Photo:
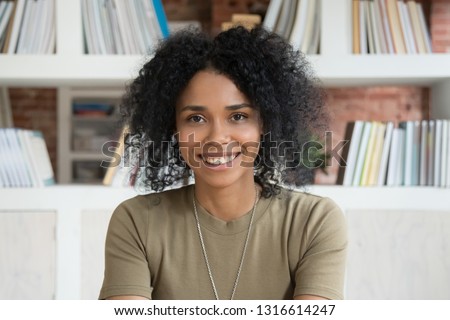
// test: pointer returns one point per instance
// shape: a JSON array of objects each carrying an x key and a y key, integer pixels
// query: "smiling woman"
[{"x": 232, "y": 112}]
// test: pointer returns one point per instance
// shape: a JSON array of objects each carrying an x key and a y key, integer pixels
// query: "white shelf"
[
  {"x": 76, "y": 207},
  {"x": 349, "y": 198},
  {"x": 336, "y": 66},
  {"x": 333, "y": 70},
  {"x": 86, "y": 156},
  {"x": 357, "y": 70}
]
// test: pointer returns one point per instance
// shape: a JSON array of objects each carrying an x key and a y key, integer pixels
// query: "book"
[
  {"x": 153, "y": 20},
  {"x": 285, "y": 17},
  {"x": 430, "y": 151},
  {"x": 137, "y": 33},
  {"x": 423, "y": 27},
  {"x": 24, "y": 160},
  {"x": 375, "y": 25},
  {"x": 374, "y": 168},
  {"x": 362, "y": 154},
  {"x": 26, "y": 27},
  {"x": 394, "y": 155},
  {"x": 400, "y": 165},
  {"x": 19, "y": 157},
  {"x": 362, "y": 27},
  {"x": 106, "y": 27},
  {"x": 353, "y": 135},
  {"x": 379, "y": 28},
  {"x": 368, "y": 159},
  {"x": 409, "y": 29},
  {"x": 416, "y": 27},
  {"x": 40, "y": 158},
  {"x": 387, "y": 26},
  {"x": 298, "y": 29},
  {"x": 356, "y": 26},
  {"x": 145, "y": 26},
  {"x": 415, "y": 168},
  {"x": 272, "y": 13},
  {"x": 27, "y": 156},
  {"x": 404, "y": 27},
  {"x": 437, "y": 153},
  {"x": 114, "y": 25},
  {"x": 423, "y": 153},
  {"x": 409, "y": 135},
  {"x": 395, "y": 26},
  {"x": 6, "y": 171},
  {"x": 6, "y": 9},
  {"x": 9, "y": 158},
  {"x": 369, "y": 28},
  {"x": 7, "y": 34},
  {"x": 385, "y": 155},
  {"x": 444, "y": 153},
  {"x": 40, "y": 18},
  {"x": 309, "y": 25},
  {"x": 315, "y": 37},
  {"x": 87, "y": 32},
  {"x": 162, "y": 19},
  {"x": 16, "y": 26},
  {"x": 48, "y": 31},
  {"x": 6, "y": 119},
  {"x": 290, "y": 17}
]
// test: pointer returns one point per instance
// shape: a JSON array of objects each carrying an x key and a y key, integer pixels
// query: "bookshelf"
[
  {"x": 80, "y": 137},
  {"x": 78, "y": 222}
]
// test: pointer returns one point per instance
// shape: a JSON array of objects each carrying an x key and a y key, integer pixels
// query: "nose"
[{"x": 218, "y": 133}]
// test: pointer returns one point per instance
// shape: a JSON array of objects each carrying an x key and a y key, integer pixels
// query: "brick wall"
[
  {"x": 440, "y": 26},
  {"x": 199, "y": 10},
  {"x": 372, "y": 103},
  {"x": 36, "y": 108}
]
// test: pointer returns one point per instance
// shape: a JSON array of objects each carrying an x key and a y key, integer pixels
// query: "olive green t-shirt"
[{"x": 297, "y": 246}]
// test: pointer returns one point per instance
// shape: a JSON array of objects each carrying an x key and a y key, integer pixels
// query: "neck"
[{"x": 228, "y": 203}]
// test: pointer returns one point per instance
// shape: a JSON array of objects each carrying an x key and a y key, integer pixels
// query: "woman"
[{"x": 234, "y": 113}]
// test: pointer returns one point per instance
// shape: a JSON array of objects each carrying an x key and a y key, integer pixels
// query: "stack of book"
[
  {"x": 27, "y": 27},
  {"x": 389, "y": 26},
  {"x": 297, "y": 21},
  {"x": 123, "y": 26},
  {"x": 24, "y": 160},
  {"x": 92, "y": 109},
  {"x": 412, "y": 153}
]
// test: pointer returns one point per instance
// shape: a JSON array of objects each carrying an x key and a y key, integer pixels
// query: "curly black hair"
[{"x": 277, "y": 80}]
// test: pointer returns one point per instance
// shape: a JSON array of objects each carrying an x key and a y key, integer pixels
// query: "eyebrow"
[{"x": 202, "y": 108}]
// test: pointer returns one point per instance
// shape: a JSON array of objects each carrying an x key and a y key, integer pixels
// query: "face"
[{"x": 218, "y": 130}]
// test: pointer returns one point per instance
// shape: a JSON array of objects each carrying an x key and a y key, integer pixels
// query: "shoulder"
[
  {"x": 141, "y": 208},
  {"x": 304, "y": 201},
  {"x": 312, "y": 211}
]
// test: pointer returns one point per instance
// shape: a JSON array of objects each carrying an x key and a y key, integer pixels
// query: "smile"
[{"x": 219, "y": 160}]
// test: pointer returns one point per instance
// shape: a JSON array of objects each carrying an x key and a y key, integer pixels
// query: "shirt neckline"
[{"x": 219, "y": 226}]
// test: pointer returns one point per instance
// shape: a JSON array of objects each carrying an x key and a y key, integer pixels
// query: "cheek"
[{"x": 250, "y": 144}]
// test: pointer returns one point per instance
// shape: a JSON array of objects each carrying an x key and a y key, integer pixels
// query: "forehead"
[{"x": 209, "y": 88}]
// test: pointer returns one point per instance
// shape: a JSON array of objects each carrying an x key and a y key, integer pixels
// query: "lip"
[{"x": 223, "y": 166}]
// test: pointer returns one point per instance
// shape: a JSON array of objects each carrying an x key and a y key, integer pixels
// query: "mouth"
[{"x": 218, "y": 161}]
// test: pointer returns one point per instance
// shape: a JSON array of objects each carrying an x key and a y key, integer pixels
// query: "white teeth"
[{"x": 218, "y": 161}]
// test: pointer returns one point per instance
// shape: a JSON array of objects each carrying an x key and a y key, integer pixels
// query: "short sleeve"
[
  {"x": 321, "y": 269},
  {"x": 126, "y": 268}
]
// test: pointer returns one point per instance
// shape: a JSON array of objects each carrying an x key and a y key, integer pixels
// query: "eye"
[
  {"x": 238, "y": 117},
  {"x": 196, "y": 119}
]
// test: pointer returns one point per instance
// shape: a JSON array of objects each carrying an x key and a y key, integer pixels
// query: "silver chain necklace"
[{"x": 205, "y": 255}]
